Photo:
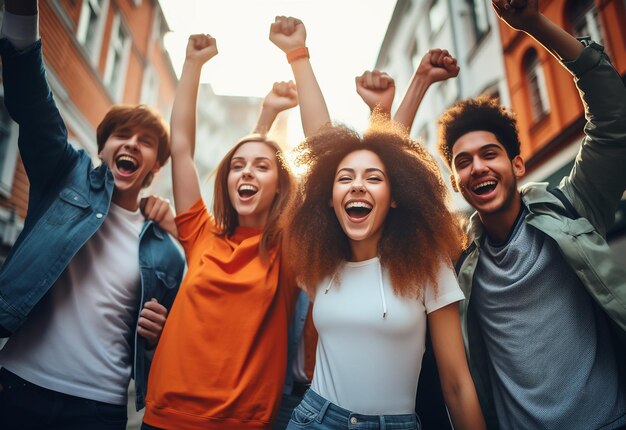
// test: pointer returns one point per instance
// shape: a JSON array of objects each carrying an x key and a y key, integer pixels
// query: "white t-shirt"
[
  {"x": 366, "y": 363},
  {"x": 78, "y": 339}
]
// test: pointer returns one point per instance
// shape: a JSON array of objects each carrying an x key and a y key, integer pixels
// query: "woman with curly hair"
[{"x": 371, "y": 238}]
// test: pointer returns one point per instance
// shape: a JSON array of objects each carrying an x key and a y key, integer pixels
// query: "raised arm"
[
  {"x": 282, "y": 96},
  {"x": 598, "y": 179},
  {"x": 43, "y": 144},
  {"x": 523, "y": 15},
  {"x": 200, "y": 49},
  {"x": 289, "y": 35},
  {"x": 377, "y": 89},
  {"x": 436, "y": 65},
  {"x": 456, "y": 382}
]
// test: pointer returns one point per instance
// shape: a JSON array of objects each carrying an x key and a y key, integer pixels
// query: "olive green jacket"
[{"x": 594, "y": 187}]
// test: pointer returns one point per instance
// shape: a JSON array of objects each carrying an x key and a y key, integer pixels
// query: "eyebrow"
[
  {"x": 482, "y": 148},
  {"x": 255, "y": 159},
  {"x": 368, "y": 170}
]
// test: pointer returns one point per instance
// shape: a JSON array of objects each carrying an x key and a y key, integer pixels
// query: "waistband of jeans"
[{"x": 337, "y": 413}]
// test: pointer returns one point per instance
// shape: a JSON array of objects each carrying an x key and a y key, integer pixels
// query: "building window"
[
  {"x": 150, "y": 89},
  {"x": 436, "y": 15},
  {"x": 584, "y": 19},
  {"x": 91, "y": 26},
  {"x": 8, "y": 148},
  {"x": 478, "y": 13},
  {"x": 537, "y": 89},
  {"x": 117, "y": 58}
]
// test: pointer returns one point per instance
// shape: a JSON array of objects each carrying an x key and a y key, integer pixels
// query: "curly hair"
[
  {"x": 483, "y": 113},
  {"x": 226, "y": 217},
  {"x": 417, "y": 235}
]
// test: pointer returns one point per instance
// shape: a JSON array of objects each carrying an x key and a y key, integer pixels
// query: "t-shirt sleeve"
[
  {"x": 448, "y": 290},
  {"x": 193, "y": 224}
]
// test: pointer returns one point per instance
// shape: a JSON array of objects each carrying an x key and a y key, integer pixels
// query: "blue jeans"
[
  {"x": 28, "y": 406},
  {"x": 317, "y": 413}
]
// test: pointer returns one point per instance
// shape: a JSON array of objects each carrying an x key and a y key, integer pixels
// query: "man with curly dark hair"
[{"x": 539, "y": 266}]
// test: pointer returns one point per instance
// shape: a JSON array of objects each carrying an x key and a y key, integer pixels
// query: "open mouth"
[
  {"x": 358, "y": 210},
  {"x": 484, "y": 187},
  {"x": 126, "y": 164},
  {"x": 247, "y": 190}
]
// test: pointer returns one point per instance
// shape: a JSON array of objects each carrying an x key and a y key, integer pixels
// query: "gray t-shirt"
[{"x": 551, "y": 361}]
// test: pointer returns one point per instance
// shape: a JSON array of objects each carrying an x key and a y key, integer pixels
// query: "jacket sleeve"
[
  {"x": 42, "y": 141},
  {"x": 598, "y": 178}
]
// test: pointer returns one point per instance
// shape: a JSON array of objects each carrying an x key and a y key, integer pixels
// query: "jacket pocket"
[{"x": 68, "y": 207}]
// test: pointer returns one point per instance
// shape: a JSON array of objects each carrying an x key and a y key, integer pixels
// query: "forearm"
[
  {"x": 553, "y": 38},
  {"x": 183, "y": 121},
  {"x": 267, "y": 116},
  {"x": 411, "y": 101},
  {"x": 464, "y": 407},
  {"x": 185, "y": 184},
  {"x": 313, "y": 108}
]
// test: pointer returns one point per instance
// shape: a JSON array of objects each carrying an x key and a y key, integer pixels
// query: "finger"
[
  {"x": 387, "y": 81},
  {"x": 368, "y": 80},
  {"x": 150, "y": 200},
  {"x": 150, "y": 326},
  {"x": 162, "y": 211},
  {"x": 155, "y": 306},
  {"x": 376, "y": 79},
  {"x": 148, "y": 335}
]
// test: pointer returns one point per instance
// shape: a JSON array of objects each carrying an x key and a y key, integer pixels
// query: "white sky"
[{"x": 343, "y": 36}]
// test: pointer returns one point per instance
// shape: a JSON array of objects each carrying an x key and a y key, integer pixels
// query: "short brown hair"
[
  {"x": 483, "y": 113},
  {"x": 134, "y": 117}
]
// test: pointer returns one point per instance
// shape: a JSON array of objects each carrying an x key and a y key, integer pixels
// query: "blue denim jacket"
[{"x": 68, "y": 201}]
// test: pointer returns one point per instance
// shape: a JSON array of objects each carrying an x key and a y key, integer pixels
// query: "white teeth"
[
  {"x": 127, "y": 158},
  {"x": 247, "y": 187},
  {"x": 484, "y": 184},
  {"x": 365, "y": 205}
]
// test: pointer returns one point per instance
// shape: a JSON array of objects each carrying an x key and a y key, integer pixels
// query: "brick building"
[
  {"x": 97, "y": 53},
  {"x": 544, "y": 97}
]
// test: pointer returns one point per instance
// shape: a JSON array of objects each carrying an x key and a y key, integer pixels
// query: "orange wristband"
[{"x": 297, "y": 53}]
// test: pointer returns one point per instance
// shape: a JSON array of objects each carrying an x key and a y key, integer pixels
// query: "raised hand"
[
  {"x": 201, "y": 48},
  {"x": 437, "y": 65},
  {"x": 151, "y": 321},
  {"x": 518, "y": 14},
  {"x": 288, "y": 33},
  {"x": 159, "y": 210},
  {"x": 283, "y": 96},
  {"x": 377, "y": 89}
]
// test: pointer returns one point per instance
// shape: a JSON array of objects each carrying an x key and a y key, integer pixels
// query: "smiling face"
[
  {"x": 253, "y": 183},
  {"x": 131, "y": 154},
  {"x": 485, "y": 176},
  {"x": 361, "y": 199}
]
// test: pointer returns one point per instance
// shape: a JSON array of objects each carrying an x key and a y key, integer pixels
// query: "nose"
[
  {"x": 132, "y": 141},
  {"x": 478, "y": 167},
  {"x": 246, "y": 172},
  {"x": 357, "y": 187}
]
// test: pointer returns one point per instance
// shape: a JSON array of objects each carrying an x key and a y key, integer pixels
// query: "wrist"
[{"x": 297, "y": 54}]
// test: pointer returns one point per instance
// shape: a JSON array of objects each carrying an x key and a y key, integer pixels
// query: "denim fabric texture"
[
  {"x": 317, "y": 413},
  {"x": 68, "y": 201}
]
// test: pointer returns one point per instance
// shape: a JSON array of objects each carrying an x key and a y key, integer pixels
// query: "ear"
[
  {"x": 519, "y": 166},
  {"x": 453, "y": 182},
  {"x": 394, "y": 204},
  {"x": 156, "y": 167}
]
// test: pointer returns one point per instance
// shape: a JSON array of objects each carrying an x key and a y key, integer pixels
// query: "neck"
[
  {"x": 254, "y": 221},
  {"x": 128, "y": 201},
  {"x": 364, "y": 249},
  {"x": 498, "y": 225}
]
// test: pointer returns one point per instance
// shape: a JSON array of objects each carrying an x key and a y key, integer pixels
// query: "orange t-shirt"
[{"x": 221, "y": 359}]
